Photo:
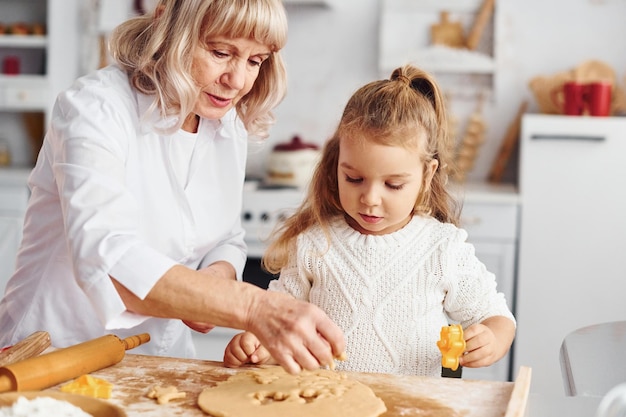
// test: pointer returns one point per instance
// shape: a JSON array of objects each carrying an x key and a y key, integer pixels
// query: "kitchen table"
[{"x": 403, "y": 395}]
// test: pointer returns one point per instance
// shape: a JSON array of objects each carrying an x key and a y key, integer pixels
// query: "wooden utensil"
[
  {"x": 511, "y": 139},
  {"x": 467, "y": 150},
  {"x": 447, "y": 33},
  {"x": 485, "y": 13},
  {"x": 64, "y": 364},
  {"x": 30, "y": 347}
]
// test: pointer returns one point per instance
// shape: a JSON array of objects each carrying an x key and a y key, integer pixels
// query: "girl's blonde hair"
[
  {"x": 156, "y": 51},
  {"x": 395, "y": 112}
]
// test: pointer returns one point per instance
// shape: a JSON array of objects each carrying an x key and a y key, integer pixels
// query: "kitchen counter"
[
  {"x": 484, "y": 192},
  {"x": 403, "y": 395}
]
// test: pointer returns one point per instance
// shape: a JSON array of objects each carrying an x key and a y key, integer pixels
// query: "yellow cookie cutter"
[
  {"x": 89, "y": 386},
  {"x": 451, "y": 345}
]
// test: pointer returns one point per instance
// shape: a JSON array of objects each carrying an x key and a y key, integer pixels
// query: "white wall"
[
  {"x": 538, "y": 37},
  {"x": 332, "y": 51}
]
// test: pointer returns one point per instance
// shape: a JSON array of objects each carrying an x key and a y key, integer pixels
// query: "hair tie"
[{"x": 404, "y": 79}]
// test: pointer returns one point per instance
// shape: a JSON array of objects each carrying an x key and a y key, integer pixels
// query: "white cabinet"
[
  {"x": 45, "y": 59},
  {"x": 490, "y": 216},
  {"x": 13, "y": 200},
  {"x": 571, "y": 260},
  {"x": 23, "y": 72}
]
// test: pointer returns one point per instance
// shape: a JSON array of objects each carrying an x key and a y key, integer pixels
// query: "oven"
[{"x": 263, "y": 208}]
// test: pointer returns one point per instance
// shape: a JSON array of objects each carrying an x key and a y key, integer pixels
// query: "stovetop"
[{"x": 263, "y": 208}]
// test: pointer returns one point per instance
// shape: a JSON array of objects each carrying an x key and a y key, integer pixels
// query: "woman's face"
[
  {"x": 379, "y": 184},
  {"x": 225, "y": 71}
]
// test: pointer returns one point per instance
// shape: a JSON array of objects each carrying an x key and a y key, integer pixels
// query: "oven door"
[
  {"x": 255, "y": 274},
  {"x": 253, "y": 271}
]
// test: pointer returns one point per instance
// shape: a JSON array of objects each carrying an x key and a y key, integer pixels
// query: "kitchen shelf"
[
  {"x": 442, "y": 59},
  {"x": 23, "y": 41},
  {"x": 23, "y": 80},
  {"x": 323, "y": 3},
  {"x": 25, "y": 96},
  {"x": 433, "y": 5}
]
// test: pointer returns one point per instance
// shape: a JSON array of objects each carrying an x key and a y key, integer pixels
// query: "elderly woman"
[{"x": 133, "y": 224}]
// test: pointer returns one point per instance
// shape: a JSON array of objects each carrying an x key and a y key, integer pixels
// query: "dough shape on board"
[{"x": 271, "y": 391}]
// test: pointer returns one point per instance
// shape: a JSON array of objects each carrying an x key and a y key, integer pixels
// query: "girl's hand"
[
  {"x": 487, "y": 342},
  {"x": 245, "y": 348}
]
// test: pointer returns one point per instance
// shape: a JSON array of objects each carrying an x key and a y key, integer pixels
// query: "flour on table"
[
  {"x": 42, "y": 407},
  {"x": 271, "y": 391}
]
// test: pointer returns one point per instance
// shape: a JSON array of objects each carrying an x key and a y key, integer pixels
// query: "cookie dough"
[
  {"x": 270, "y": 392},
  {"x": 163, "y": 395}
]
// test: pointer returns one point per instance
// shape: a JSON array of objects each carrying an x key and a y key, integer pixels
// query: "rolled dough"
[{"x": 271, "y": 392}]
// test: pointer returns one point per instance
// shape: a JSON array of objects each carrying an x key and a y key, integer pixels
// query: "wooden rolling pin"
[
  {"x": 61, "y": 365},
  {"x": 32, "y": 346}
]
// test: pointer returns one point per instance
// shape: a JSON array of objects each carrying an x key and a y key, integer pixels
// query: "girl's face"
[
  {"x": 379, "y": 184},
  {"x": 225, "y": 71}
]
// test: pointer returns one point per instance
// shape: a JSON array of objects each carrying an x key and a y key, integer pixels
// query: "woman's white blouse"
[{"x": 111, "y": 197}]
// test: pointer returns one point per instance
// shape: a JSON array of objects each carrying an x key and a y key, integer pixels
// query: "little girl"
[{"x": 376, "y": 245}]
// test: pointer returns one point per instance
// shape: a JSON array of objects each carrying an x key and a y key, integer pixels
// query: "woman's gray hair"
[{"x": 156, "y": 50}]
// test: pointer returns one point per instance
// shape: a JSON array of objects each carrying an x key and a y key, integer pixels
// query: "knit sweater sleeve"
[
  {"x": 472, "y": 294},
  {"x": 292, "y": 280}
]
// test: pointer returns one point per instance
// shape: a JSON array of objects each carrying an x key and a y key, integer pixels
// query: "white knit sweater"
[{"x": 391, "y": 294}]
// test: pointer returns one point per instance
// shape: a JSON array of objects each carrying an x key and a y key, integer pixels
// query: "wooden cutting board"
[{"x": 403, "y": 395}]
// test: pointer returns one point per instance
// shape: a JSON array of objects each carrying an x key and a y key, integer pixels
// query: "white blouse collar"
[{"x": 229, "y": 126}]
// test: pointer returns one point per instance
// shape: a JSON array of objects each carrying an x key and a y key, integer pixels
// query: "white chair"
[
  {"x": 613, "y": 404},
  {"x": 592, "y": 359}
]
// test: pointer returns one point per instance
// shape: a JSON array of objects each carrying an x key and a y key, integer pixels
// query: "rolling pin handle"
[
  {"x": 7, "y": 383},
  {"x": 134, "y": 341}
]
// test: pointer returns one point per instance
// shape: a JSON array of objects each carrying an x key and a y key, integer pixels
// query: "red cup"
[
  {"x": 573, "y": 98},
  {"x": 570, "y": 98},
  {"x": 11, "y": 65},
  {"x": 598, "y": 97}
]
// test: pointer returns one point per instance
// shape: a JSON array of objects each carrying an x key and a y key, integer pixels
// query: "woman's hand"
[
  {"x": 297, "y": 334},
  {"x": 245, "y": 348},
  {"x": 487, "y": 342}
]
